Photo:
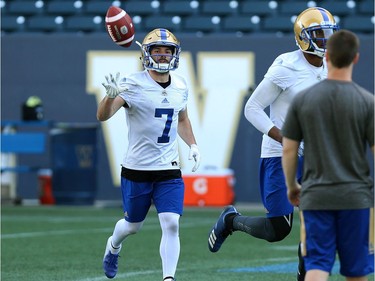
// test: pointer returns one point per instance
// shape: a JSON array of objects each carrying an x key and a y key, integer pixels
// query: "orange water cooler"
[{"x": 209, "y": 187}]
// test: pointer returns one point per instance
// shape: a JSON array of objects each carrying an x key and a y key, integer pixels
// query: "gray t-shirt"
[{"x": 336, "y": 121}]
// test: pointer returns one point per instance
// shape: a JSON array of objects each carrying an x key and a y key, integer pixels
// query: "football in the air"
[{"x": 119, "y": 26}]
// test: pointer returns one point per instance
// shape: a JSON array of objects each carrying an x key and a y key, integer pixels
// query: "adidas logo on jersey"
[{"x": 165, "y": 100}]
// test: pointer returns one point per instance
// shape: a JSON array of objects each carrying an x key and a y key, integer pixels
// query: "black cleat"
[{"x": 220, "y": 230}]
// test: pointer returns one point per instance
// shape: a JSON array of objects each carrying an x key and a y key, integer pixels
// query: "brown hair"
[{"x": 342, "y": 47}]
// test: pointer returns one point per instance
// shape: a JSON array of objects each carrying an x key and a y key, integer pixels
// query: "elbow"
[
  {"x": 248, "y": 111},
  {"x": 101, "y": 117},
  {"x": 247, "y": 114}
]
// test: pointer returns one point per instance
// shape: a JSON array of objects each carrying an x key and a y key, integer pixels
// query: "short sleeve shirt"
[
  {"x": 152, "y": 119},
  {"x": 335, "y": 119}
]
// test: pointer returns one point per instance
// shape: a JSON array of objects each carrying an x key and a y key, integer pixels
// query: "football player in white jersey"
[
  {"x": 155, "y": 103},
  {"x": 289, "y": 74}
]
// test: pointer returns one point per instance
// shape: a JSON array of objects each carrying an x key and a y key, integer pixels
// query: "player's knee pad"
[{"x": 282, "y": 226}]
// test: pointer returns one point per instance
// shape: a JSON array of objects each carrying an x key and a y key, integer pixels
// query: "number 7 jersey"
[{"x": 152, "y": 120}]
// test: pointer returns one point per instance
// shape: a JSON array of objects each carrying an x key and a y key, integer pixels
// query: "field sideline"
[{"x": 67, "y": 243}]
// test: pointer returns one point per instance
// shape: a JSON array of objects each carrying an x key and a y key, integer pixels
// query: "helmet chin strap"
[
  {"x": 316, "y": 50},
  {"x": 313, "y": 52},
  {"x": 161, "y": 67},
  {"x": 165, "y": 68}
]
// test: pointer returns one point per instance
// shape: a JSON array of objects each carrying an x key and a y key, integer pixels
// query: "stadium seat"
[
  {"x": 279, "y": 23},
  {"x": 366, "y": 7},
  {"x": 182, "y": 8},
  {"x": 139, "y": 8},
  {"x": 257, "y": 8},
  {"x": 153, "y": 22},
  {"x": 337, "y": 8},
  {"x": 218, "y": 8},
  {"x": 24, "y": 8},
  {"x": 62, "y": 8},
  {"x": 239, "y": 23},
  {"x": 43, "y": 23},
  {"x": 10, "y": 24},
  {"x": 96, "y": 7},
  {"x": 292, "y": 8},
  {"x": 200, "y": 23},
  {"x": 139, "y": 25},
  {"x": 195, "y": 15},
  {"x": 83, "y": 23},
  {"x": 358, "y": 24}
]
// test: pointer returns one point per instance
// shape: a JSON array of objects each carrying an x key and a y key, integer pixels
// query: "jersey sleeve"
[
  {"x": 185, "y": 97},
  {"x": 281, "y": 73},
  {"x": 180, "y": 83},
  {"x": 262, "y": 97},
  {"x": 129, "y": 88}
]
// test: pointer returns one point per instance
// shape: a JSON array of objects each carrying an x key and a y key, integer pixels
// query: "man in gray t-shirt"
[{"x": 335, "y": 119}]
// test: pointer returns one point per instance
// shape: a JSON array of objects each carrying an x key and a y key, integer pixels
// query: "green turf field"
[{"x": 67, "y": 243}]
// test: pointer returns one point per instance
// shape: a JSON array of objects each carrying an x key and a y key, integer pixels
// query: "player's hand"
[
  {"x": 194, "y": 154},
  {"x": 294, "y": 193},
  {"x": 112, "y": 89}
]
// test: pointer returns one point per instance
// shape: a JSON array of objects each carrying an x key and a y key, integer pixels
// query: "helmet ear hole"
[
  {"x": 305, "y": 38},
  {"x": 176, "y": 63}
]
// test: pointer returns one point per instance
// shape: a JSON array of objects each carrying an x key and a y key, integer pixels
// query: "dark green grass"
[{"x": 67, "y": 243}]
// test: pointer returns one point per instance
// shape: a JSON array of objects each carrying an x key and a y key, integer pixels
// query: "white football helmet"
[
  {"x": 312, "y": 29},
  {"x": 160, "y": 37}
]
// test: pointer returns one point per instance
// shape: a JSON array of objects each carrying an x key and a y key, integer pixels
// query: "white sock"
[
  {"x": 114, "y": 250},
  {"x": 170, "y": 242},
  {"x": 122, "y": 230}
]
